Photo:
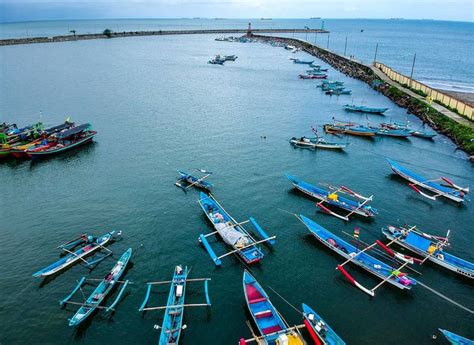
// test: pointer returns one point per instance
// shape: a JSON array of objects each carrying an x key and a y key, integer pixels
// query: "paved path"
[{"x": 452, "y": 115}]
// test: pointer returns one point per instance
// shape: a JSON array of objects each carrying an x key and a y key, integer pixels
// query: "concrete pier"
[{"x": 66, "y": 38}]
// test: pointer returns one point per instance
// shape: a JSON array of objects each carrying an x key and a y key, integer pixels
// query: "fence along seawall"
[{"x": 436, "y": 95}]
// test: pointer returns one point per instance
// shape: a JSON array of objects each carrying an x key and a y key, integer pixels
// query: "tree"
[
  {"x": 73, "y": 32},
  {"x": 108, "y": 33}
]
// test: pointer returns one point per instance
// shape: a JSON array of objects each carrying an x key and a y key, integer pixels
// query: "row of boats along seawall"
[
  {"x": 34, "y": 141},
  {"x": 271, "y": 326}
]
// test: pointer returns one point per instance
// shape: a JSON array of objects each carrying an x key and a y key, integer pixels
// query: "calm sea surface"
[
  {"x": 158, "y": 106},
  {"x": 444, "y": 49}
]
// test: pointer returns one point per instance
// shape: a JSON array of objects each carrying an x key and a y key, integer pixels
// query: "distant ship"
[
  {"x": 315, "y": 18},
  {"x": 265, "y": 18},
  {"x": 396, "y": 18}
]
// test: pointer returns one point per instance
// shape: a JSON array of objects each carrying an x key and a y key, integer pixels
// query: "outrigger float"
[
  {"x": 319, "y": 330},
  {"x": 92, "y": 245},
  {"x": 96, "y": 298},
  {"x": 243, "y": 244},
  {"x": 272, "y": 327},
  {"x": 331, "y": 197},
  {"x": 448, "y": 189},
  {"x": 387, "y": 273},
  {"x": 174, "y": 309},
  {"x": 187, "y": 181},
  {"x": 429, "y": 247}
]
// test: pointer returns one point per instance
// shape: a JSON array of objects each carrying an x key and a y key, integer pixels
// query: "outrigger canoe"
[
  {"x": 350, "y": 129},
  {"x": 101, "y": 291},
  {"x": 77, "y": 256},
  {"x": 174, "y": 309},
  {"x": 450, "y": 190},
  {"x": 271, "y": 326},
  {"x": 319, "y": 330},
  {"x": 193, "y": 181},
  {"x": 455, "y": 339},
  {"x": 303, "y": 62},
  {"x": 317, "y": 143},
  {"x": 232, "y": 233},
  {"x": 332, "y": 198},
  {"x": 359, "y": 258},
  {"x": 364, "y": 109},
  {"x": 429, "y": 247}
]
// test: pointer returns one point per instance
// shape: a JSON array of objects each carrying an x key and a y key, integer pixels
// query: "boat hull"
[
  {"x": 319, "y": 329},
  {"x": 48, "y": 153},
  {"x": 321, "y": 145}
]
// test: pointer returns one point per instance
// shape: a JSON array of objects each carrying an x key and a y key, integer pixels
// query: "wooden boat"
[
  {"x": 217, "y": 60},
  {"x": 303, "y": 62},
  {"x": 71, "y": 258},
  {"x": 364, "y": 109},
  {"x": 271, "y": 326},
  {"x": 64, "y": 141},
  {"x": 448, "y": 190},
  {"x": 338, "y": 92},
  {"x": 430, "y": 248},
  {"x": 455, "y": 339},
  {"x": 360, "y": 258},
  {"x": 232, "y": 233},
  {"x": 331, "y": 197},
  {"x": 406, "y": 126},
  {"x": 317, "y": 142},
  {"x": 96, "y": 298},
  {"x": 193, "y": 181},
  {"x": 174, "y": 309},
  {"x": 18, "y": 151},
  {"x": 319, "y": 330},
  {"x": 349, "y": 128},
  {"x": 312, "y": 76},
  {"x": 230, "y": 57},
  {"x": 388, "y": 132},
  {"x": 315, "y": 72},
  {"x": 14, "y": 136},
  {"x": 423, "y": 134}
]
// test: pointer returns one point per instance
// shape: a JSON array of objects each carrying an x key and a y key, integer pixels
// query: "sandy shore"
[{"x": 462, "y": 96}]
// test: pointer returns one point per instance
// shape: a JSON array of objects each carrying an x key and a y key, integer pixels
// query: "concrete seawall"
[
  {"x": 30, "y": 40},
  {"x": 442, "y": 120}
]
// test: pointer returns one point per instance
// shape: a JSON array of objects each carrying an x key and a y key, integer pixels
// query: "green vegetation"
[{"x": 108, "y": 33}]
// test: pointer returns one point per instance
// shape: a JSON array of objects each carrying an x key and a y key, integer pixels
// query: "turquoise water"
[
  {"x": 443, "y": 48},
  {"x": 158, "y": 106}
]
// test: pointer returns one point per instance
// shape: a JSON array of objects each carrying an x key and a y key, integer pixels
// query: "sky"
[{"x": 25, "y": 10}]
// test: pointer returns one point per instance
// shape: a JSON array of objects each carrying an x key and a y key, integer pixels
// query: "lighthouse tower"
[{"x": 249, "y": 30}]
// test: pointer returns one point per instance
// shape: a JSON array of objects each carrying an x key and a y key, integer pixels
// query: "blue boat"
[
  {"x": 430, "y": 247},
  {"x": 77, "y": 256},
  {"x": 233, "y": 233},
  {"x": 319, "y": 329},
  {"x": 448, "y": 190},
  {"x": 364, "y": 109},
  {"x": 360, "y": 258},
  {"x": 174, "y": 309},
  {"x": 388, "y": 132},
  {"x": 332, "y": 197},
  {"x": 193, "y": 181},
  {"x": 96, "y": 298},
  {"x": 302, "y": 62},
  {"x": 349, "y": 128},
  {"x": 271, "y": 326},
  {"x": 455, "y": 339}
]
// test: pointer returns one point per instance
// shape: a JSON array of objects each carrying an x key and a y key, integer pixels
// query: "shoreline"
[{"x": 466, "y": 97}]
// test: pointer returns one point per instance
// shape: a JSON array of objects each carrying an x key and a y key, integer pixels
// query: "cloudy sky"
[{"x": 18, "y": 10}]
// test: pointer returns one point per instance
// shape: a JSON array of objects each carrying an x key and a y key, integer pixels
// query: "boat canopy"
[{"x": 74, "y": 130}]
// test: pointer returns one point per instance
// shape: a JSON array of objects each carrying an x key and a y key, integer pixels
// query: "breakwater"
[
  {"x": 67, "y": 38},
  {"x": 442, "y": 120}
]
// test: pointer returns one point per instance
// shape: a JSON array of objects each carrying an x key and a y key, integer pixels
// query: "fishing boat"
[
  {"x": 338, "y": 91},
  {"x": 331, "y": 82},
  {"x": 187, "y": 181},
  {"x": 272, "y": 327},
  {"x": 96, "y": 298},
  {"x": 429, "y": 247},
  {"x": 72, "y": 257},
  {"x": 448, "y": 189},
  {"x": 317, "y": 143},
  {"x": 64, "y": 141},
  {"x": 315, "y": 72},
  {"x": 406, "y": 126},
  {"x": 455, "y": 339},
  {"x": 174, "y": 309},
  {"x": 319, "y": 330},
  {"x": 360, "y": 258},
  {"x": 232, "y": 233},
  {"x": 349, "y": 128},
  {"x": 217, "y": 60},
  {"x": 14, "y": 137},
  {"x": 19, "y": 151},
  {"x": 312, "y": 76},
  {"x": 230, "y": 57},
  {"x": 388, "y": 132},
  {"x": 423, "y": 134},
  {"x": 302, "y": 62},
  {"x": 332, "y": 197},
  {"x": 364, "y": 109}
]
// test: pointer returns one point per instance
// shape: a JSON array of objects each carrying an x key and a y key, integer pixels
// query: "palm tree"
[{"x": 73, "y": 32}]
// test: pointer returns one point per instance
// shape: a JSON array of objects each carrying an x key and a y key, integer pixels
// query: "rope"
[
  {"x": 291, "y": 305},
  {"x": 446, "y": 298}
]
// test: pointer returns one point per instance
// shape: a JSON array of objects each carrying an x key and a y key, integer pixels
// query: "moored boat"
[
  {"x": 359, "y": 258},
  {"x": 63, "y": 141},
  {"x": 303, "y": 62},
  {"x": 429, "y": 247},
  {"x": 272, "y": 327},
  {"x": 193, "y": 181},
  {"x": 349, "y": 128},
  {"x": 364, "y": 109},
  {"x": 388, "y": 132},
  {"x": 320, "y": 331},
  {"x": 312, "y": 76},
  {"x": 448, "y": 190},
  {"x": 230, "y": 57},
  {"x": 317, "y": 142},
  {"x": 455, "y": 339}
]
